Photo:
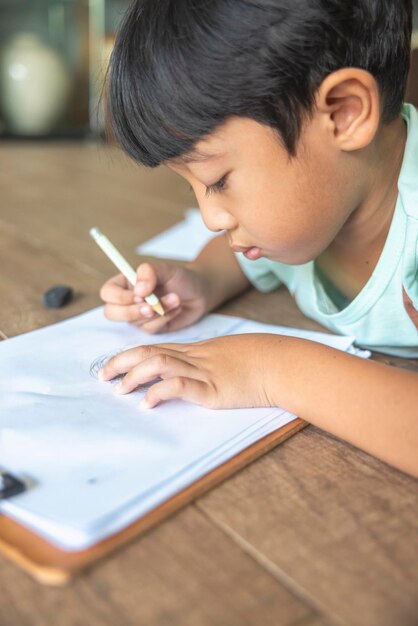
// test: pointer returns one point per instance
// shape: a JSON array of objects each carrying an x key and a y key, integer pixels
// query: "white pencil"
[{"x": 123, "y": 266}]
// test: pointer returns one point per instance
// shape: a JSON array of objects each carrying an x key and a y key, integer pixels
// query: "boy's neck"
[
  {"x": 368, "y": 226},
  {"x": 353, "y": 255}
]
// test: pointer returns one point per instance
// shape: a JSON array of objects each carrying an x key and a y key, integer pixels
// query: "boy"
[{"x": 286, "y": 118}]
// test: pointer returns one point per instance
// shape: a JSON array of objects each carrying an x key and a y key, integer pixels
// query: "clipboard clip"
[{"x": 10, "y": 485}]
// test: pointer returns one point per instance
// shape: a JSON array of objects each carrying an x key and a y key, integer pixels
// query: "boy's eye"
[{"x": 216, "y": 187}]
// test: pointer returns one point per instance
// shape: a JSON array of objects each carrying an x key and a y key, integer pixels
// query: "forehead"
[{"x": 236, "y": 135}]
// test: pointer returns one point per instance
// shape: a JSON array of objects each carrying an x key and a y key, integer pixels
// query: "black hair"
[{"x": 180, "y": 68}]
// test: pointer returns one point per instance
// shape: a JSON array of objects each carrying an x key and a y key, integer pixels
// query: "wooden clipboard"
[{"x": 50, "y": 565}]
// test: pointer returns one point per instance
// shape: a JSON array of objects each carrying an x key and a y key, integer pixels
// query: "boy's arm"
[
  {"x": 371, "y": 405},
  {"x": 221, "y": 272}
]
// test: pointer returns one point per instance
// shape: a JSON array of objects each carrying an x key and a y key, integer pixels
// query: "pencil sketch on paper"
[{"x": 101, "y": 360}]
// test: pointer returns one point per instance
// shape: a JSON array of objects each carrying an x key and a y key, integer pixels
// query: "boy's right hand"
[{"x": 181, "y": 291}]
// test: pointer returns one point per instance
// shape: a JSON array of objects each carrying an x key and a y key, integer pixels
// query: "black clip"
[{"x": 10, "y": 486}]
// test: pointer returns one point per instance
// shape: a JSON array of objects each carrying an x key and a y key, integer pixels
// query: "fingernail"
[
  {"x": 172, "y": 298},
  {"x": 146, "y": 311},
  {"x": 100, "y": 375},
  {"x": 138, "y": 299},
  {"x": 144, "y": 404},
  {"x": 118, "y": 388}
]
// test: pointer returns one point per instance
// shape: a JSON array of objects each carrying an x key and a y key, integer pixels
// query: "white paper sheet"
[
  {"x": 183, "y": 241},
  {"x": 93, "y": 460}
]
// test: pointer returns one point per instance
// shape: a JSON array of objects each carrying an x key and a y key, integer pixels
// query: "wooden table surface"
[{"x": 314, "y": 533}]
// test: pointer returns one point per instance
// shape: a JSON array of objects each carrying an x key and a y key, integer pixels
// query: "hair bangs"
[
  {"x": 156, "y": 93},
  {"x": 142, "y": 117}
]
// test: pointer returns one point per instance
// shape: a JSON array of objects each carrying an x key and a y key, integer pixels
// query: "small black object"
[
  {"x": 10, "y": 486},
  {"x": 57, "y": 297}
]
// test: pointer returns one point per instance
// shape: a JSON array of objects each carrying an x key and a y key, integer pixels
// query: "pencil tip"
[{"x": 158, "y": 308}]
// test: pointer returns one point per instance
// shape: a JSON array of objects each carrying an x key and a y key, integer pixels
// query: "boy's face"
[{"x": 271, "y": 205}]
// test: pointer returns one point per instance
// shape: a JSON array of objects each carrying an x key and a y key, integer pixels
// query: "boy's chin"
[{"x": 289, "y": 260}]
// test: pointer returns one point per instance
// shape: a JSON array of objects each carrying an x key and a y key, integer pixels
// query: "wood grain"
[
  {"x": 341, "y": 525},
  {"x": 185, "y": 572},
  {"x": 74, "y": 187},
  {"x": 27, "y": 271}
]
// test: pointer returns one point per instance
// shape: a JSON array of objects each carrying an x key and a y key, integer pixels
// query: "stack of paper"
[{"x": 94, "y": 461}]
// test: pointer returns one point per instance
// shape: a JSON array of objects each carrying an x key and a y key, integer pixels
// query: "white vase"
[{"x": 34, "y": 86}]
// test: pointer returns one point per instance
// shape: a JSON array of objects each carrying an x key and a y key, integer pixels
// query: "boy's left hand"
[{"x": 226, "y": 372}]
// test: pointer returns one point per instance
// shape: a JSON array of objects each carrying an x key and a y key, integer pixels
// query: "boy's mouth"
[{"x": 253, "y": 253}]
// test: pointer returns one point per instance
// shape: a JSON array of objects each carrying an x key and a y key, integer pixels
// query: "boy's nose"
[{"x": 217, "y": 219}]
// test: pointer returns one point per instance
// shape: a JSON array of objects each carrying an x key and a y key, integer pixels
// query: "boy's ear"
[{"x": 348, "y": 101}]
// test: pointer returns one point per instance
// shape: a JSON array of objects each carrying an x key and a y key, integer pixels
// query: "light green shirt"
[{"x": 377, "y": 316}]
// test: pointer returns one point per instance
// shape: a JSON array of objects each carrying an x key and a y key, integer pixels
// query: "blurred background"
[{"x": 53, "y": 57}]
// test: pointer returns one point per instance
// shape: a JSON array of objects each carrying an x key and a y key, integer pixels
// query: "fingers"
[
  {"x": 123, "y": 304},
  {"x": 133, "y": 313},
  {"x": 146, "y": 280},
  {"x": 158, "y": 324},
  {"x": 177, "y": 387},
  {"x": 149, "y": 276},
  {"x": 170, "y": 301},
  {"x": 163, "y": 365},
  {"x": 126, "y": 361},
  {"x": 117, "y": 291},
  {"x": 180, "y": 378},
  {"x": 141, "y": 313}
]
